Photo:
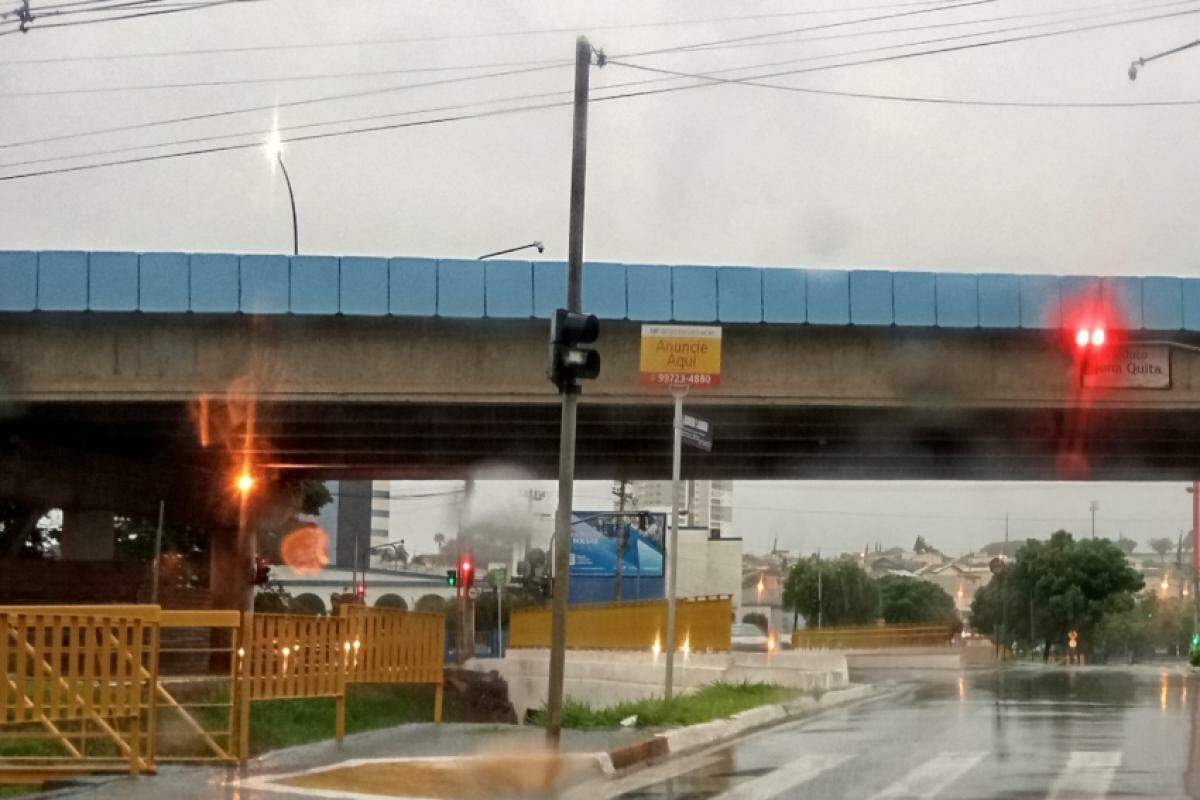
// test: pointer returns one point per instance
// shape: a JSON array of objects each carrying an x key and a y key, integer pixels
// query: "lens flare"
[
  {"x": 1081, "y": 337},
  {"x": 245, "y": 482},
  {"x": 1097, "y": 337},
  {"x": 305, "y": 550}
]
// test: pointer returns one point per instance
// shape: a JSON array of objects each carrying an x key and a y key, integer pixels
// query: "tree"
[
  {"x": 1161, "y": 546},
  {"x": 920, "y": 546},
  {"x": 439, "y": 541},
  {"x": 431, "y": 603},
  {"x": 1054, "y": 587},
  {"x": 307, "y": 603},
  {"x": 1127, "y": 545},
  {"x": 392, "y": 601},
  {"x": 903, "y": 599},
  {"x": 843, "y": 595}
]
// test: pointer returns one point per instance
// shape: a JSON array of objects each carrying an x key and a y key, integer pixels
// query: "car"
[{"x": 746, "y": 636}]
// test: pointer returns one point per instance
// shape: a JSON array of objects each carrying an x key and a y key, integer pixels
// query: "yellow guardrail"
[
  {"x": 869, "y": 637},
  {"x": 86, "y": 678},
  {"x": 703, "y": 623},
  {"x": 81, "y": 678}
]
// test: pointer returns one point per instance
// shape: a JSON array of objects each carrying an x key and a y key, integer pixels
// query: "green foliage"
[
  {"x": 715, "y": 701},
  {"x": 1057, "y": 586},
  {"x": 759, "y": 619},
  {"x": 271, "y": 602},
  {"x": 903, "y": 599},
  {"x": 1194, "y": 655},
  {"x": 1127, "y": 546},
  {"x": 307, "y": 603},
  {"x": 920, "y": 546},
  {"x": 430, "y": 602},
  {"x": 846, "y": 596},
  {"x": 392, "y": 601},
  {"x": 1161, "y": 546}
]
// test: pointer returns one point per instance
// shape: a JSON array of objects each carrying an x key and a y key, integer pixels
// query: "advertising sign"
[
  {"x": 680, "y": 355},
  {"x": 594, "y": 539},
  {"x": 1131, "y": 366}
]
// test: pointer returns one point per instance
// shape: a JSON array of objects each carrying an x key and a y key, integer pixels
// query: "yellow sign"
[{"x": 681, "y": 355}]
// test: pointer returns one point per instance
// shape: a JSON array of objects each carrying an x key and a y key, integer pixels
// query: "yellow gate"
[{"x": 79, "y": 690}]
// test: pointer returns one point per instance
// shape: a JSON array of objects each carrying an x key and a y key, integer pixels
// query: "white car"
[{"x": 746, "y": 636}]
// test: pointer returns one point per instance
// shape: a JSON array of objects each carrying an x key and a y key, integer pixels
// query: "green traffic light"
[
  {"x": 451, "y": 577},
  {"x": 1195, "y": 639}
]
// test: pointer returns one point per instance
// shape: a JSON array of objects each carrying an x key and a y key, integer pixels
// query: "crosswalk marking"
[
  {"x": 930, "y": 778},
  {"x": 1088, "y": 774},
  {"x": 787, "y": 776}
]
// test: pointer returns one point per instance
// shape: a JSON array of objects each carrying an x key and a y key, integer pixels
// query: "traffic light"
[
  {"x": 568, "y": 361},
  {"x": 1093, "y": 337},
  {"x": 360, "y": 591},
  {"x": 452, "y": 577},
  {"x": 262, "y": 571},
  {"x": 1196, "y": 640},
  {"x": 466, "y": 572}
]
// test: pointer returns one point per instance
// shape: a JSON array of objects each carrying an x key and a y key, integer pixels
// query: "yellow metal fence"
[
  {"x": 82, "y": 690},
  {"x": 702, "y": 622},
  {"x": 872, "y": 637}
]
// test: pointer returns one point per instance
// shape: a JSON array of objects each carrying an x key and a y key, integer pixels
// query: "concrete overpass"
[{"x": 428, "y": 368}]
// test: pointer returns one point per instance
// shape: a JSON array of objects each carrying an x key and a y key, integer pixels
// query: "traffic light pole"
[{"x": 570, "y": 399}]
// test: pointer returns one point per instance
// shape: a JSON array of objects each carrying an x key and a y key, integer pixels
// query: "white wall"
[{"x": 709, "y": 566}]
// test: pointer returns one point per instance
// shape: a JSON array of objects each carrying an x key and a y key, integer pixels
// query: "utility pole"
[
  {"x": 678, "y": 393},
  {"x": 820, "y": 598},
  {"x": 1094, "y": 506},
  {"x": 466, "y": 606},
  {"x": 1004, "y": 590},
  {"x": 1195, "y": 557},
  {"x": 570, "y": 399}
]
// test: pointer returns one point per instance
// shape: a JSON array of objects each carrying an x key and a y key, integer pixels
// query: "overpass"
[{"x": 409, "y": 367}]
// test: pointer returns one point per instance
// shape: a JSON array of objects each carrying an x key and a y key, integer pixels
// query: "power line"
[
  {"x": 277, "y": 106},
  {"x": 455, "y": 37},
  {"x": 115, "y": 18},
  {"x": 100, "y": 7}
]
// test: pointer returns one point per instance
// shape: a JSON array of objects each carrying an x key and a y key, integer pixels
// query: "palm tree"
[{"x": 439, "y": 539}]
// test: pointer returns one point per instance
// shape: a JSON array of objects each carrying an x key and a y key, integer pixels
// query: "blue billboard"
[{"x": 595, "y": 536}]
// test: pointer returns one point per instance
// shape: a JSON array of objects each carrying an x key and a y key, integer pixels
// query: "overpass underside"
[{"x": 416, "y": 440}]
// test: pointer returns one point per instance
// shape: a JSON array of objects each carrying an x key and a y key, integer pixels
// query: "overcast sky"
[{"x": 715, "y": 175}]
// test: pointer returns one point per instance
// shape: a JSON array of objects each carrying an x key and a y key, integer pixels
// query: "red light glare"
[
  {"x": 1081, "y": 337},
  {"x": 1097, "y": 337},
  {"x": 466, "y": 566}
]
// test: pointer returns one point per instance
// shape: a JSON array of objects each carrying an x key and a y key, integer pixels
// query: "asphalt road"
[{"x": 1015, "y": 733}]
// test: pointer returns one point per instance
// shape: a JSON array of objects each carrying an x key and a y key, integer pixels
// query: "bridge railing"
[{"x": 703, "y": 623}]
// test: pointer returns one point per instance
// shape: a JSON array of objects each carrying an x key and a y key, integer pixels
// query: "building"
[
  {"x": 705, "y": 504},
  {"x": 709, "y": 564},
  {"x": 356, "y": 520}
]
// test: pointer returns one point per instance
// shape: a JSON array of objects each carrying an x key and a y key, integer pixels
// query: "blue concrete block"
[
  {"x": 265, "y": 284},
  {"x": 914, "y": 299},
  {"x": 216, "y": 283},
  {"x": 1123, "y": 298},
  {"x": 957, "y": 300},
  {"x": 62, "y": 281},
  {"x": 1081, "y": 298},
  {"x": 784, "y": 295},
  {"x": 648, "y": 289},
  {"x": 1040, "y": 301},
  {"x": 828, "y": 297},
  {"x": 739, "y": 294},
  {"x": 999, "y": 301},
  {"x": 414, "y": 285},
  {"x": 113, "y": 281},
  {"x": 694, "y": 294},
  {"x": 460, "y": 288},
  {"x": 550, "y": 287},
  {"x": 509, "y": 288},
  {"x": 1162, "y": 304},
  {"x": 604, "y": 290},
  {"x": 314, "y": 285},
  {"x": 18, "y": 280},
  {"x": 871, "y": 297},
  {"x": 163, "y": 282},
  {"x": 1191, "y": 303},
  {"x": 363, "y": 289}
]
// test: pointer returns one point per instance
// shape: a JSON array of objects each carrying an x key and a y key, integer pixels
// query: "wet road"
[{"x": 1017, "y": 733}]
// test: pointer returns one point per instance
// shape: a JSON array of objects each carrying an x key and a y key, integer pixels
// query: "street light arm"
[
  {"x": 1141, "y": 62},
  {"x": 539, "y": 245},
  {"x": 292, "y": 197}
]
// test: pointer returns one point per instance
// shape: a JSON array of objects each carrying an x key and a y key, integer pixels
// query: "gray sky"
[{"x": 718, "y": 175}]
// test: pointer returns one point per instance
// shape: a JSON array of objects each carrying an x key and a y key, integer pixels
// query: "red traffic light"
[{"x": 1094, "y": 337}]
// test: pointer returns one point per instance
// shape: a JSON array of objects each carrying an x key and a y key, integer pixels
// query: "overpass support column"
[
  {"x": 88, "y": 535},
  {"x": 231, "y": 568}
]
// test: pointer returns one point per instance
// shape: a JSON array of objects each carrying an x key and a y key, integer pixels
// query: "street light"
[
  {"x": 541, "y": 248},
  {"x": 1138, "y": 63},
  {"x": 274, "y": 152},
  {"x": 245, "y": 482}
]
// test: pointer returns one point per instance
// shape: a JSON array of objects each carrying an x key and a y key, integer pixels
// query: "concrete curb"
[{"x": 705, "y": 734}]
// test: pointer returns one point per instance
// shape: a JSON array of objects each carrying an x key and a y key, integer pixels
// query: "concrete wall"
[
  {"x": 709, "y": 566},
  {"x": 606, "y": 677},
  {"x": 410, "y": 586}
]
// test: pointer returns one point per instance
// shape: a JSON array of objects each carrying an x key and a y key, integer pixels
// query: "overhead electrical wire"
[
  {"x": 505, "y": 64},
  {"x": 670, "y": 75},
  {"x": 465, "y": 36},
  {"x": 118, "y": 17},
  {"x": 705, "y": 81}
]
